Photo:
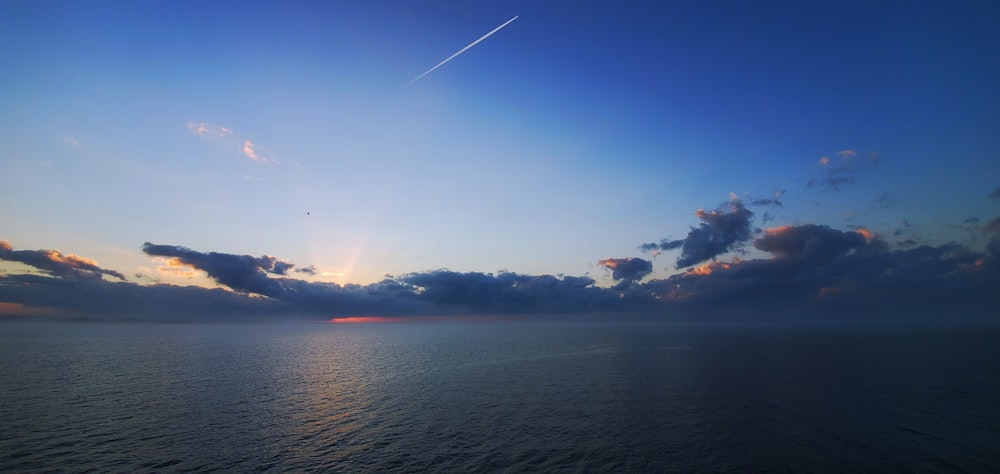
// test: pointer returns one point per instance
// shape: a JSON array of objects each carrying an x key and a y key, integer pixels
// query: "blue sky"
[{"x": 575, "y": 134}]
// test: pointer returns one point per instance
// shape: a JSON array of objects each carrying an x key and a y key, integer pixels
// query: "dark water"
[{"x": 497, "y": 397}]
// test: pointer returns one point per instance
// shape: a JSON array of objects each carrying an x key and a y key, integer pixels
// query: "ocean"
[{"x": 498, "y": 397}]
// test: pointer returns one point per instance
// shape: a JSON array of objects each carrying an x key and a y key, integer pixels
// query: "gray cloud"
[
  {"x": 815, "y": 244},
  {"x": 627, "y": 269},
  {"x": 771, "y": 201},
  {"x": 56, "y": 263},
  {"x": 833, "y": 183},
  {"x": 883, "y": 201},
  {"x": 818, "y": 270},
  {"x": 992, "y": 226},
  {"x": 721, "y": 231},
  {"x": 664, "y": 244},
  {"x": 843, "y": 169},
  {"x": 811, "y": 270},
  {"x": 240, "y": 272},
  {"x": 308, "y": 270}
]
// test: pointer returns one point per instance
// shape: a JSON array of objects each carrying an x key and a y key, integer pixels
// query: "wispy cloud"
[
  {"x": 774, "y": 200},
  {"x": 231, "y": 138},
  {"x": 73, "y": 142},
  {"x": 843, "y": 170},
  {"x": 201, "y": 128},
  {"x": 248, "y": 150}
]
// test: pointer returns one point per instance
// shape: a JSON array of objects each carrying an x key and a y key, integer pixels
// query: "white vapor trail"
[{"x": 487, "y": 35}]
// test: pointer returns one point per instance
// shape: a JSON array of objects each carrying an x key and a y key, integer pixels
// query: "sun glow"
[
  {"x": 396, "y": 319},
  {"x": 367, "y": 319}
]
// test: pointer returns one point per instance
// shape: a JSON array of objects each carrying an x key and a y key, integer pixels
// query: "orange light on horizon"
[
  {"x": 18, "y": 309},
  {"x": 364, "y": 319},
  {"x": 400, "y": 319}
]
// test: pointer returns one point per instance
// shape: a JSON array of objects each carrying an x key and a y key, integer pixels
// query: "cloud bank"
[{"x": 809, "y": 271}]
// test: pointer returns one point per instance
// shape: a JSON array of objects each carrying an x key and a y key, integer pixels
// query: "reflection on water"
[{"x": 474, "y": 397}]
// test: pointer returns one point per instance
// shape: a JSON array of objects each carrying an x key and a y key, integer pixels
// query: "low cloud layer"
[
  {"x": 811, "y": 270},
  {"x": 807, "y": 271}
]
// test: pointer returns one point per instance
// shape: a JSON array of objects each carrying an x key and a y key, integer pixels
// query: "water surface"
[{"x": 497, "y": 397}]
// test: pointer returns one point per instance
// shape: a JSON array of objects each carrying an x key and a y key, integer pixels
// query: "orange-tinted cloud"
[
  {"x": 867, "y": 234},
  {"x": 710, "y": 267},
  {"x": 248, "y": 150},
  {"x": 56, "y": 263},
  {"x": 627, "y": 269},
  {"x": 202, "y": 128}
]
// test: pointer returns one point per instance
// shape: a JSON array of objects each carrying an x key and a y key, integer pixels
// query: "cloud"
[
  {"x": 721, "y": 231},
  {"x": 506, "y": 292},
  {"x": 842, "y": 171},
  {"x": 101, "y": 299},
  {"x": 771, "y": 201},
  {"x": 810, "y": 271},
  {"x": 248, "y": 150},
  {"x": 414, "y": 293},
  {"x": 816, "y": 270},
  {"x": 810, "y": 243},
  {"x": 664, "y": 244},
  {"x": 883, "y": 201},
  {"x": 992, "y": 226},
  {"x": 201, "y": 128},
  {"x": 242, "y": 273},
  {"x": 308, "y": 270},
  {"x": 995, "y": 194},
  {"x": 832, "y": 182},
  {"x": 56, "y": 263},
  {"x": 73, "y": 142},
  {"x": 627, "y": 269}
]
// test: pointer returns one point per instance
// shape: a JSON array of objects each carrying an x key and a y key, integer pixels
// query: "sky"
[{"x": 257, "y": 159}]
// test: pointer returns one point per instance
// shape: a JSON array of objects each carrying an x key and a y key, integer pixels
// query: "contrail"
[{"x": 487, "y": 35}]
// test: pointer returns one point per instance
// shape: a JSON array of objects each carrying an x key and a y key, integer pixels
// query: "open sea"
[{"x": 504, "y": 397}]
